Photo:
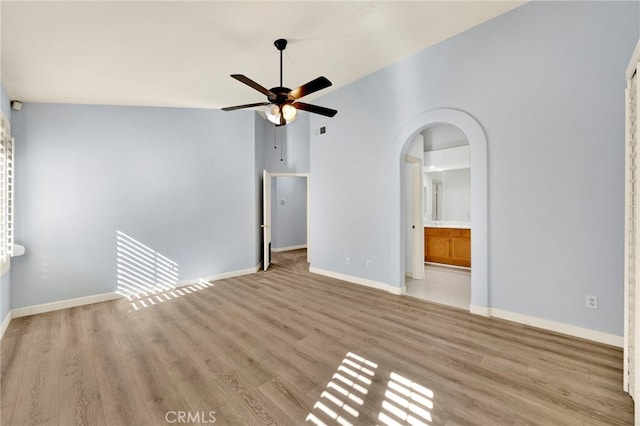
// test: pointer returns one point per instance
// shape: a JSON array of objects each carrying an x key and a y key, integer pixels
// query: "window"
[{"x": 6, "y": 193}]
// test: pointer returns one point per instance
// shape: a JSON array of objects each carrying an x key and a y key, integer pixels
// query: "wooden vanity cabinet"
[{"x": 451, "y": 246}]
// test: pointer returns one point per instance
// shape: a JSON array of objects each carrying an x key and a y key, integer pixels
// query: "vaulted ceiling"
[{"x": 181, "y": 53}]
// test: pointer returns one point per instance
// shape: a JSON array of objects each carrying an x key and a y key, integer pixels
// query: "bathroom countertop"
[{"x": 448, "y": 224}]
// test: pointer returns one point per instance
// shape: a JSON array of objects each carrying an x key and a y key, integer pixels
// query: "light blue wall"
[
  {"x": 546, "y": 82},
  {"x": 180, "y": 181},
  {"x": 5, "y": 279},
  {"x": 295, "y": 150},
  {"x": 290, "y": 219}
]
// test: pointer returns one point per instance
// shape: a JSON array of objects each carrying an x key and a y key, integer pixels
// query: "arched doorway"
[{"x": 479, "y": 198}]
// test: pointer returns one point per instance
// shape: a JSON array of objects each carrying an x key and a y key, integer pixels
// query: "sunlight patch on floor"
[
  {"x": 345, "y": 393},
  {"x": 345, "y": 397}
]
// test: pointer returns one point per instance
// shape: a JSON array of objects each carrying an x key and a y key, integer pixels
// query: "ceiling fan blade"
[
  {"x": 246, "y": 80},
  {"x": 233, "y": 108},
  {"x": 312, "y": 86},
  {"x": 315, "y": 109}
]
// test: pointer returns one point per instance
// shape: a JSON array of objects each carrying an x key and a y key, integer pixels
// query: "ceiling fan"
[{"x": 283, "y": 101}]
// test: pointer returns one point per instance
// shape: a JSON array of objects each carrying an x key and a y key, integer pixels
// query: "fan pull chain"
[
  {"x": 275, "y": 133},
  {"x": 281, "y": 144}
]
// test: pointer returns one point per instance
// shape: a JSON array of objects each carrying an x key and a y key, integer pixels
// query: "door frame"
[
  {"x": 264, "y": 204},
  {"x": 631, "y": 370}
]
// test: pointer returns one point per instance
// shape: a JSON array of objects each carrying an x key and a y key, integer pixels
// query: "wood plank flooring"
[{"x": 287, "y": 347}]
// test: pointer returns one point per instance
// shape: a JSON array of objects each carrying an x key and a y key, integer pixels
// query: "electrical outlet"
[
  {"x": 368, "y": 264},
  {"x": 591, "y": 302},
  {"x": 347, "y": 261}
]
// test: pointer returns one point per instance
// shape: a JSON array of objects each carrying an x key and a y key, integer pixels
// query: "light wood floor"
[{"x": 285, "y": 347}]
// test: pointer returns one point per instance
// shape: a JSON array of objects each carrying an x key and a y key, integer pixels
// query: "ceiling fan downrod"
[{"x": 280, "y": 44}]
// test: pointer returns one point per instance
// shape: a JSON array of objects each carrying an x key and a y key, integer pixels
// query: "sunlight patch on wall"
[
  {"x": 146, "y": 277},
  {"x": 142, "y": 271}
]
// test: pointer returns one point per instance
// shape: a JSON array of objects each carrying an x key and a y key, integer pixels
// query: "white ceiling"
[{"x": 179, "y": 53}]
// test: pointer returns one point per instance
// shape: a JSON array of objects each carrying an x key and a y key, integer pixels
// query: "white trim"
[
  {"x": 627, "y": 231},
  {"x": 635, "y": 58},
  {"x": 631, "y": 365},
  {"x": 301, "y": 246},
  {"x": 276, "y": 174},
  {"x": 411, "y": 159},
  {"x": 64, "y": 304},
  {"x": 222, "y": 276},
  {"x": 446, "y": 265},
  {"x": 479, "y": 310},
  {"x": 558, "y": 327},
  {"x": 358, "y": 280},
  {"x": 105, "y": 297},
  {"x": 5, "y": 323}
]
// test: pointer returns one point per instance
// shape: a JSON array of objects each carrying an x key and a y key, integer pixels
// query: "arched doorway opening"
[
  {"x": 438, "y": 237},
  {"x": 478, "y": 200}
]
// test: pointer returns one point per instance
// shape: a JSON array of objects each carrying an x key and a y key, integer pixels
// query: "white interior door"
[
  {"x": 632, "y": 240},
  {"x": 266, "y": 219},
  {"x": 415, "y": 234},
  {"x": 418, "y": 226}
]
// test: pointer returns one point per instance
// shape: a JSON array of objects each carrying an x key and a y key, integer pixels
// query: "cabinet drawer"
[
  {"x": 438, "y": 232},
  {"x": 460, "y": 233}
]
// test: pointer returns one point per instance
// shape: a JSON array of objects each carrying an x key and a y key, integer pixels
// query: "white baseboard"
[
  {"x": 222, "y": 276},
  {"x": 276, "y": 250},
  {"x": 479, "y": 310},
  {"x": 558, "y": 327},
  {"x": 445, "y": 265},
  {"x": 63, "y": 304},
  {"x": 358, "y": 280},
  {"x": 104, "y": 297},
  {"x": 5, "y": 323}
]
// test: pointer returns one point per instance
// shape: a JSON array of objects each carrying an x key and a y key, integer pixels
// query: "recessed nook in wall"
[{"x": 479, "y": 200}]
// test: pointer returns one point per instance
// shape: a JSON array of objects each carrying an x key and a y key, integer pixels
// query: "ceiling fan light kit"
[
  {"x": 282, "y": 106},
  {"x": 273, "y": 111}
]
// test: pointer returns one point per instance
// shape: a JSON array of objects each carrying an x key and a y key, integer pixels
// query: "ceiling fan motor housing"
[{"x": 282, "y": 95}]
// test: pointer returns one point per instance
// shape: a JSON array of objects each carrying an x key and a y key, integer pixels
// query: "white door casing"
[
  {"x": 266, "y": 219},
  {"x": 631, "y": 377}
]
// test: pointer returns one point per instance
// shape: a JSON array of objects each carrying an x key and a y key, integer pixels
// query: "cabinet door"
[
  {"x": 437, "y": 245},
  {"x": 426, "y": 243},
  {"x": 460, "y": 247}
]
